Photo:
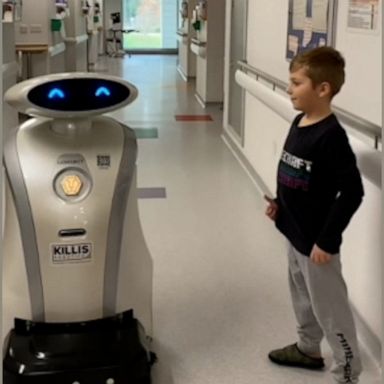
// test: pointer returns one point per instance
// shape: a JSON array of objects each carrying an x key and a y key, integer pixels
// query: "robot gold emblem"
[{"x": 71, "y": 185}]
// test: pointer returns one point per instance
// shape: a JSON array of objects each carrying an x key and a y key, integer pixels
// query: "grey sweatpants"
[{"x": 321, "y": 306}]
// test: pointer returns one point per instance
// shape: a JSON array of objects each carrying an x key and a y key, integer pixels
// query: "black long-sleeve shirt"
[{"x": 319, "y": 186}]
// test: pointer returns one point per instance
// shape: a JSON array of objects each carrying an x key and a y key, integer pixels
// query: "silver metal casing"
[{"x": 73, "y": 257}]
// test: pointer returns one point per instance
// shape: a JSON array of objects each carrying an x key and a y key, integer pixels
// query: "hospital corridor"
[{"x": 191, "y": 192}]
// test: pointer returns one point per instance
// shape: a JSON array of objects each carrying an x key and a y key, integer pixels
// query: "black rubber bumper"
[{"x": 105, "y": 351}]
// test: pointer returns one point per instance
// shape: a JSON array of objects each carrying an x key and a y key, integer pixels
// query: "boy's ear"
[{"x": 324, "y": 89}]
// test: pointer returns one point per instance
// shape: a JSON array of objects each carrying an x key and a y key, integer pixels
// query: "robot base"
[{"x": 103, "y": 351}]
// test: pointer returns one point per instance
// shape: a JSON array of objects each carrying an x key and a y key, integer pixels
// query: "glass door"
[
  {"x": 142, "y": 24},
  {"x": 149, "y": 25}
]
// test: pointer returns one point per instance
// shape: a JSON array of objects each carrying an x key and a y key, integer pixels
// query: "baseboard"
[
  {"x": 200, "y": 100},
  {"x": 182, "y": 74},
  {"x": 206, "y": 104}
]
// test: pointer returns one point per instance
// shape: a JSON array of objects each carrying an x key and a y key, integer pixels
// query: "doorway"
[
  {"x": 150, "y": 25},
  {"x": 238, "y": 45}
]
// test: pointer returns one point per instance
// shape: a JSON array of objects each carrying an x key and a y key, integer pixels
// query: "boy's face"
[{"x": 304, "y": 95}]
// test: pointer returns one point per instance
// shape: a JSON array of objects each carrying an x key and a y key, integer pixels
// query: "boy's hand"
[
  {"x": 319, "y": 257},
  {"x": 272, "y": 208}
]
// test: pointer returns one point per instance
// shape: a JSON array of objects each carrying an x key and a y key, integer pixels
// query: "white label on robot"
[{"x": 71, "y": 253}]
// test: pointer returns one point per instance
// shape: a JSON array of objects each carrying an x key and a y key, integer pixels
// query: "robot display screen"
[{"x": 78, "y": 94}]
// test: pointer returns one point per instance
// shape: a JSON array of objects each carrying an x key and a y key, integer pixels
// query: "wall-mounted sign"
[
  {"x": 363, "y": 15},
  {"x": 310, "y": 25}
]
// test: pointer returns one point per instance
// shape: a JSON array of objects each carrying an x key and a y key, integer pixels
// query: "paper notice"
[
  {"x": 322, "y": 42},
  {"x": 299, "y": 14},
  {"x": 363, "y": 14},
  {"x": 307, "y": 31},
  {"x": 319, "y": 15},
  {"x": 293, "y": 44}
]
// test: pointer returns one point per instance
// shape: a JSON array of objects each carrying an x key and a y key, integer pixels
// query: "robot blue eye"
[
  {"x": 79, "y": 94},
  {"x": 102, "y": 91},
  {"x": 56, "y": 93}
]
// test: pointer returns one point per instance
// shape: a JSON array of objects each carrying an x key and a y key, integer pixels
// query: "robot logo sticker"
[
  {"x": 71, "y": 253},
  {"x": 71, "y": 185}
]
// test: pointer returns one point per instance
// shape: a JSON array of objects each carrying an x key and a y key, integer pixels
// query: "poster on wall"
[
  {"x": 363, "y": 15},
  {"x": 310, "y": 25}
]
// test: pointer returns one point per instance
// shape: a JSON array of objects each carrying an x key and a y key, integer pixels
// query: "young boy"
[{"x": 319, "y": 189}]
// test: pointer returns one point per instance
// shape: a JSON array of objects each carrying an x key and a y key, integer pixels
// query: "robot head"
[{"x": 71, "y": 95}]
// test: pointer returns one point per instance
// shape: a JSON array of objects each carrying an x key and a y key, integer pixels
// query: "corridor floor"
[{"x": 221, "y": 299}]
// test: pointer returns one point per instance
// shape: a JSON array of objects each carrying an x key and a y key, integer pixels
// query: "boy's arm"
[
  {"x": 272, "y": 207},
  {"x": 341, "y": 164}
]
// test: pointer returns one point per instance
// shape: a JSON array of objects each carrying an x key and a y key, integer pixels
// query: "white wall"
[
  {"x": 35, "y": 25},
  {"x": 265, "y": 131},
  {"x": 363, "y": 53},
  {"x": 267, "y": 30},
  {"x": 75, "y": 23},
  {"x": 112, "y": 6},
  {"x": 362, "y": 241}
]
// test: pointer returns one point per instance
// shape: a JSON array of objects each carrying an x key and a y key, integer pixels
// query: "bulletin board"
[{"x": 310, "y": 25}]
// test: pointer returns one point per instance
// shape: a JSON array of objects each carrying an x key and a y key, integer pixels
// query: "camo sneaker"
[{"x": 293, "y": 357}]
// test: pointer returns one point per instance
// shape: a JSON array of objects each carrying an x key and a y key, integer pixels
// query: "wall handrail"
[{"x": 353, "y": 121}]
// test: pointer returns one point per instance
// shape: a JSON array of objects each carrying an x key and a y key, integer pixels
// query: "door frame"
[{"x": 239, "y": 137}]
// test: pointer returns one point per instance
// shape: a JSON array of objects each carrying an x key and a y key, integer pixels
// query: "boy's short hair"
[{"x": 323, "y": 64}]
